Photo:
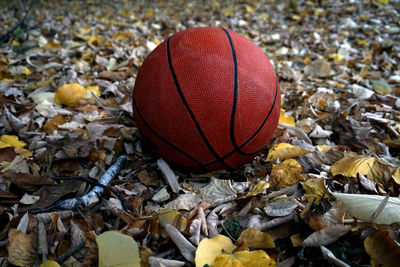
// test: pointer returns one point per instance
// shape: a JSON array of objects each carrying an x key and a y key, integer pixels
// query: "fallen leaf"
[
  {"x": 285, "y": 119},
  {"x": 327, "y": 235},
  {"x": 315, "y": 188},
  {"x": 70, "y": 94},
  {"x": 21, "y": 248},
  {"x": 362, "y": 206},
  {"x": 10, "y": 141},
  {"x": 285, "y": 174},
  {"x": 351, "y": 164},
  {"x": 280, "y": 208},
  {"x": 244, "y": 258},
  {"x": 383, "y": 248},
  {"x": 256, "y": 239},
  {"x": 285, "y": 151},
  {"x": 117, "y": 249},
  {"x": 259, "y": 188},
  {"x": 209, "y": 248}
]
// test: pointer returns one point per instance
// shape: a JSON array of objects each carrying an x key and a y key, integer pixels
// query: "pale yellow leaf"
[
  {"x": 285, "y": 119},
  {"x": 350, "y": 165},
  {"x": 173, "y": 217},
  {"x": 117, "y": 249},
  {"x": 208, "y": 249},
  {"x": 257, "y": 258},
  {"x": 285, "y": 151},
  {"x": 50, "y": 263},
  {"x": 10, "y": 141},
  {"x": 70, "y": 94},
  {"x": 258, "y": 188},
  {"x": 256, "y": 238},
  {"x": 315, "y": 188}
]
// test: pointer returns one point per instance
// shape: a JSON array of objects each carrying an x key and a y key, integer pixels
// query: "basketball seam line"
[
  {"x": 248, "y": 140},
  {"x": 163, "y": 139},
  {"x": 193, "y": 117},
  {"x": 235, "y": 95}
]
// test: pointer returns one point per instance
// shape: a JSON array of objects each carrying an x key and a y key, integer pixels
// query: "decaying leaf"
[{"x": 22, "y": 248}]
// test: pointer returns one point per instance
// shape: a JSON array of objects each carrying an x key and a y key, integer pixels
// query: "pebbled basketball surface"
[{"x": 206, "y": 98}]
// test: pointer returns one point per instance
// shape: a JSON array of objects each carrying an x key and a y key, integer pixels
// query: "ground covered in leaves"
[{"x": 324, "y": 192}]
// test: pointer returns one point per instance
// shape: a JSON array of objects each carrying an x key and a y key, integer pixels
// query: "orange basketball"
[{"x": 206, "y": 98}]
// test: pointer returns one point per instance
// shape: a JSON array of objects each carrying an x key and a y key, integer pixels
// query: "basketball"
[{"x": 205, "y": 99}]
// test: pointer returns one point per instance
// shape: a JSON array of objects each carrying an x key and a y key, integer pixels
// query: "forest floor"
[{"x": 323, "y": 193}]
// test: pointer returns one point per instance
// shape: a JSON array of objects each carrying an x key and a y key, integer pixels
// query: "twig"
[
  {"x": 124, "y": 203},
  {"x": 73, "y": 203},
  {"x": 68, "y": 253}
]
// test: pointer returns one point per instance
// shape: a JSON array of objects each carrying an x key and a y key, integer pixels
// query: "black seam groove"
[
  {"x": 248, "y": 140},
  {"x": 203, "y": 136},
  {"x": 235, "y": 95},
  {"x": 164, "y": 140}
]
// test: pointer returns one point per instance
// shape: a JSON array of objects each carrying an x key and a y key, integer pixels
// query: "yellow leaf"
[
  {"x": 256, "y": 239},
  {"x": 50, "y": 263},
  {"x": 51, "y": 45},
  {"x": 285, "y": 151},
  {"x": 10, "y": 141},
  {"x": 149, "y": 13},
  {"x": 228, "y": 12},
  {"x": 95, "y": 40},
  {"x": 323, "y": 148},
  {"x": 15, "y": 43},
  {"x": 117, "y": 249},
  {"x": 396, "y": 176},
  {"x": 27, "y": 71},
  {"x": 315, "y": 188},
  {"x": 335, "y": 57},
  {"x": 257, "y": 258},
  {"x": 285, "y": 119},
  {"x": 23, "y": 152},
  {"x": 351, "y": 164},
  {"x": 70, "y": 94},
  {"x": 249, "y": 9},
  {"x": 258, "y": 188},
  {"x": 285, "y": 174},
  {"x": 173, "y": 217},
  {"x": 208, "y": 249},
  {"x": 362, "y": 42},
  {"x": 92, "y": 89}
]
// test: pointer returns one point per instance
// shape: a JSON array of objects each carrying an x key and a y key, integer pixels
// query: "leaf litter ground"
[{"x": 323, "y": 193}]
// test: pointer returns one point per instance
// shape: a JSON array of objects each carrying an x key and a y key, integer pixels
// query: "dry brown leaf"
[{"x": 22, "y": 248}]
